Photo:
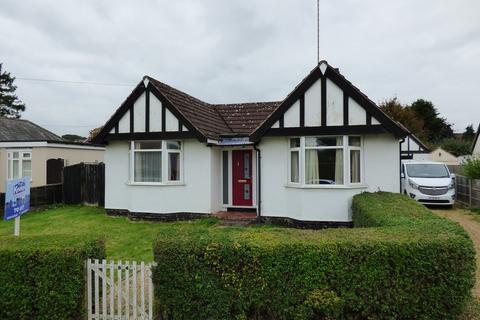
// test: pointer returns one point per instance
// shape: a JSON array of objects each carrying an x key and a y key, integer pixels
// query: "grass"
[
  {"x": 133, "y": 240},
  {"x": 125, "y": 239}
]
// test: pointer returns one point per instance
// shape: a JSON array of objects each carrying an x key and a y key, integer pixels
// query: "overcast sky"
[{"x": 237, "y": 51}]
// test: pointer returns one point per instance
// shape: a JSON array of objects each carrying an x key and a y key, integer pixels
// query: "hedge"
[
  {"x": 44, "y": 277},
  {"x": 401, "y": 262}
]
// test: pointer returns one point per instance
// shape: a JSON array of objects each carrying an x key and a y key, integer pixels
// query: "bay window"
[
  {"x": 19, "y": 164},
  {"x": 156, "y": 161},
  {"x": 327, "y": 160}
]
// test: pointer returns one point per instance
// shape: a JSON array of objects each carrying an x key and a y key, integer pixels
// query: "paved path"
[{"x": 473, "y": 229}]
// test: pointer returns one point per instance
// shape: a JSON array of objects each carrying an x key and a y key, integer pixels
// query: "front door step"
[{"x": 236, "y": 218}]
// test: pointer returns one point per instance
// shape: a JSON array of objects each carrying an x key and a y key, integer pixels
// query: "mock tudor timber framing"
[
  {"x": 273, "y": 125},
  {"x": 349, "y": 91},
  {"x": 128, "y": 106}
]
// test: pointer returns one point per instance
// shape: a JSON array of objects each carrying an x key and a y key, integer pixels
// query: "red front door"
[{"x": 242, "y": 177}]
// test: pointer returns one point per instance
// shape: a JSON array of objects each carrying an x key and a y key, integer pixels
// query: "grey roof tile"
[{"x": 24, "y": 130}]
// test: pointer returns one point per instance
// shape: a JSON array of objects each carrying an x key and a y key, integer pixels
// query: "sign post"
[{"x": 17, "y": 200}]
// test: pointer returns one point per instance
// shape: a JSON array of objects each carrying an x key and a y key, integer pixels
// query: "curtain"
[
  {"x": 312, "y": 175},
  {"x": 294, "y": 167},
  {"x": 355, "y": 166},
  {"x": 26, "y": 168},
  {"x": 15, "y": 169},
  {"x": 339, "y": 166},
  {"x": 148, "y": 166}
]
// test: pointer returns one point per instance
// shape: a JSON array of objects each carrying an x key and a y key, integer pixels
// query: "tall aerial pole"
[{"x": 318, "y": 31}]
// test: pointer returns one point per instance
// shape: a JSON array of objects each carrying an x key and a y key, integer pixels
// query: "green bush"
[
  {"x": 44, "y": 278},
  {"x": 456, "y": 147},
  {"x": 402, "y": 262},
  {"x": 471, "y": 167}
]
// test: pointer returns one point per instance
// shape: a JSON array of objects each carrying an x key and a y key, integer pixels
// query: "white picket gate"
[{"x": 119, "y": 291}]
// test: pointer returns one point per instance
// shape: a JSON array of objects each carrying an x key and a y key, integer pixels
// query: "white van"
[{"x": 428, "y": 182}]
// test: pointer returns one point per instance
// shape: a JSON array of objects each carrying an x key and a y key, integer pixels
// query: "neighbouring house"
[
  {"x": 28, "y": 150},
  {"x": 413, "y": 148},
  {"x": 439, "y": 155},
  {"x": 301, "y": 158},
  {"x": 476, "y": 143}
]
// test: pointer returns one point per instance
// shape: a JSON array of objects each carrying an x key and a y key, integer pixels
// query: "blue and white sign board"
[{"x": 17, "y": 198}]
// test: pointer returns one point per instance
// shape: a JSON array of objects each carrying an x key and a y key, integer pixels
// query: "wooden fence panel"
[
  {"x": 40, "y": 196},
  {"x": 468, "y": 191},
  {"x": 84, "y": 183}
]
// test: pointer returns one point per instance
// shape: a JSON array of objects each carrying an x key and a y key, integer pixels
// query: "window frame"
[
  {"x": 20, "y": 160},
  {"x": 300, "y": 160},
  {"x": 345, "y": 147},
  {"x": 165, "y": 163},
  {"x": 360, "y": 149}
]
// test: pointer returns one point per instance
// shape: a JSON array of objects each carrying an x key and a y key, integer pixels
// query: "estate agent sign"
[{"x": 17, "y": 200}]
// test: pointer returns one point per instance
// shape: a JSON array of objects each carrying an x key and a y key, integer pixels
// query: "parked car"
[{"x": 428, "y": 182}]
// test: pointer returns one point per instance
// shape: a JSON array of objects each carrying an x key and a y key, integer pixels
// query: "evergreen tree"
[
  {"x": 404, "y": 115},
  {"x": 469, "y": 133},
  {"x": 435, "y": 127},
  {"x": 10, "y": 105}
]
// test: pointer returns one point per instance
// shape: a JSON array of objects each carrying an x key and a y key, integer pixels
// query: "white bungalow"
[{"x": 301, "y": 159}]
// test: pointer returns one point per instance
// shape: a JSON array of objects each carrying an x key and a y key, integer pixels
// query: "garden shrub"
[
  {"x": 471, "y": 167},
  {"x": 44, "y": 277},
  {"x": 401, "y": 262}
]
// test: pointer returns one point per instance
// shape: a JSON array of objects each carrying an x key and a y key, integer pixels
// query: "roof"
[
  {"x": 248, "y": 119},
  {"x": 24, "y": 130},
  {"x": 244, "y": 118},
  {"x": 215, "y": 120},
  {"x": 421, "y": 162}
]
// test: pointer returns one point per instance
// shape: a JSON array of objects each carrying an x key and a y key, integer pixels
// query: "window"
[
  {"x": 295, "y": 160},
  {"x": 225, "y": 170},
  {"x": 330, "y": 160},
  {"x": 19, "y": 164},
  {"x": 148, "y": 158},
  {"x": 324, "y": 160},
  {"x": 354, "y": 144},
  {"x": 173, "y": 149}
]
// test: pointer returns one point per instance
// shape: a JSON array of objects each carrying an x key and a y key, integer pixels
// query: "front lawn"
[{"x": 125, "y": 239}]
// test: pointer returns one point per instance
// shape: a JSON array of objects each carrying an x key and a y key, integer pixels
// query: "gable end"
[
  {"x": 147, "y": 114},
  {"x": 327, "y": 103}
]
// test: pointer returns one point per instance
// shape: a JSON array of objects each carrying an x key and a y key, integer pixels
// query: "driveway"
[{"x": 472, "y": 226}]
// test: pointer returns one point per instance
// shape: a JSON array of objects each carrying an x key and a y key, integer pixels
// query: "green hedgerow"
[
  {"x": 44, "y": 278},
  {"x": 402, "y": 262}
]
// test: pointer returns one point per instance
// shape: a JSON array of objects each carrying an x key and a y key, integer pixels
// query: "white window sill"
[
  {"x": 326, "y": 186},
  {"x": 156, "y": 184}
]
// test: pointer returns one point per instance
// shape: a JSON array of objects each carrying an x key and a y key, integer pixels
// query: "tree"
[
  {"x": 404, "y": 115},
  {"x": 435, "y": 127},
  {"x": 10, "y": 105},
  {"x": 469, "y": 133},
  {"x": 456, "y": 147},
  {"x": 73, "y": 138},
  {"x": 93, "y": 133}
]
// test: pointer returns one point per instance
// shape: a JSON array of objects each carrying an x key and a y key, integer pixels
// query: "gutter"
[{"x": 259, "y": 180}]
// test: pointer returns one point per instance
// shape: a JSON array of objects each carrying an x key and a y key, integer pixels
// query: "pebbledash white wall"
[
  {"x": 199, "y": 192},
  {"x": 381, "y": 165},
  {"x": 201, "y": 189}
]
